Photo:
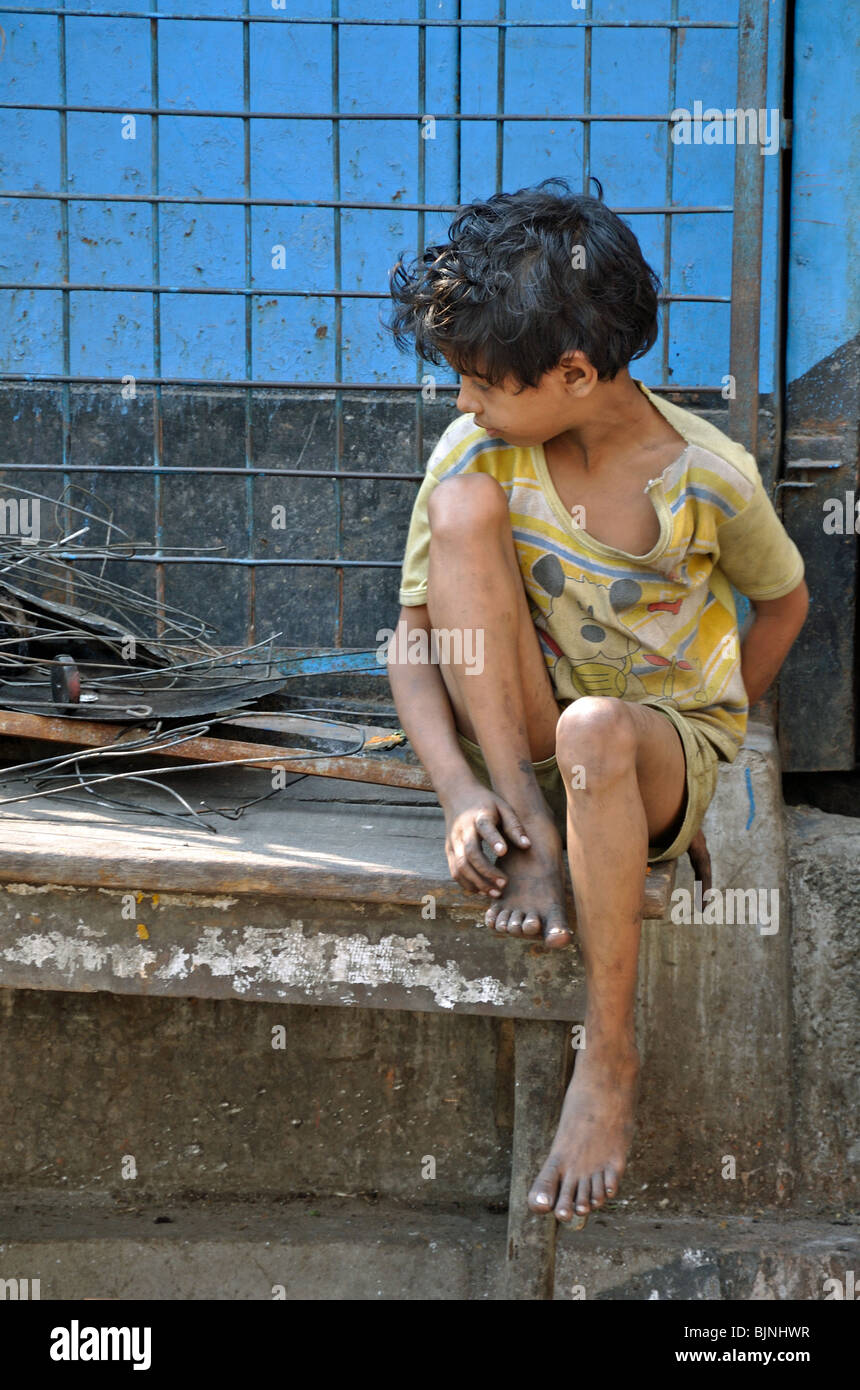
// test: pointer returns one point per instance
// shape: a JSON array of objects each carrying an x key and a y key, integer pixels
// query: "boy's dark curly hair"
[{"x": 524, "y": 278}]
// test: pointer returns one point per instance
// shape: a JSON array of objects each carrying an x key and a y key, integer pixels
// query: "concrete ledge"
[
  {"x": 296, "y": 951},
  {"x": 824, "y": 870},
  {"x": 715, "y": 1022},
  {"x": 300, "y": 902},
  {"x": 351, "y": 1249}
]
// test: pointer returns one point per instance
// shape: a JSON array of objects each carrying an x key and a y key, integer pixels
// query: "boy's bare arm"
[
  {"x": 425, "y": 713},
  {"x": 770, "y": 638},
  {"x": 472, "y": 812}
]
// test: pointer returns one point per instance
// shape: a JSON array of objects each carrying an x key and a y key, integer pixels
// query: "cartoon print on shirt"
[
  {"x": 607, "y": 669},
  {"x": 672, "y": 667},
  {"x": 549, "y": 576}
]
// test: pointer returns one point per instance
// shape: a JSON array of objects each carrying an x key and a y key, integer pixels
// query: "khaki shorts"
[{"x": 702, "y": 759}]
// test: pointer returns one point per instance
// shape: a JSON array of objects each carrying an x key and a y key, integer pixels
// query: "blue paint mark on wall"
[{"x": 751, "y": 796}]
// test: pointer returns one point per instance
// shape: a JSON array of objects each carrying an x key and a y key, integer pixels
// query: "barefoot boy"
[{"x": 590, "y": 531}]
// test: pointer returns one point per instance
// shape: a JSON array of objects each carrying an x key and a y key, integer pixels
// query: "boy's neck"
[{"x": 619, "y": 414}]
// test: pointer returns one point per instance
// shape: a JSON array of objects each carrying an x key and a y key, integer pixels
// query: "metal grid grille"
[{"x": 744, "y": 214}]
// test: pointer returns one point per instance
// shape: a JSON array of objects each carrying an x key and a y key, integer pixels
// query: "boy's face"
[{"x": 528, "y": 415}]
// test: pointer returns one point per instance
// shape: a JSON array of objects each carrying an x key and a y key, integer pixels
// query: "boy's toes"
[
  {"x": 564, "y": 1207},
  {"x": 610, "y": 1181},
  {"x": 531, "y": 924},
  {"x": 515, "y": 922},
  {"x": 598, "y": 1191},
  {"x": 583, "y": 1197},
  {"x": 542, "y": 1193},
  {"x": 557, "y": 932}
]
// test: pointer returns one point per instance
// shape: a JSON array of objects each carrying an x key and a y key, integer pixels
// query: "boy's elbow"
[
  {"x": 800, "y": 607},
  {"x": 397, "y": 648},
  {"x": 790, "y": 611},
  {"x": 415, "y": 615}
]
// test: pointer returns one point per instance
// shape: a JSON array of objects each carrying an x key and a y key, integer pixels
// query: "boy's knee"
[
  {"x": 457, "y": 504},
  {"x": 598, "y": 734}
]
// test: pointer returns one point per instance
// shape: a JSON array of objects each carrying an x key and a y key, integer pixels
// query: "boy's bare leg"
[
  {"x": 635, "y": 783},
  {"x": 508, "y": 708}
]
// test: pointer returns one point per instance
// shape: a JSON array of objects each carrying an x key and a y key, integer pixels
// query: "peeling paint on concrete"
[
  {"x": 221, "y": 904},
  {"x": 160, "y": 900},
  {"x": 25, "y": 889},
  {"x": 325, "y": 957},
  {"x": 264, "y": 956},
  {"x": 84, "y": 953}
]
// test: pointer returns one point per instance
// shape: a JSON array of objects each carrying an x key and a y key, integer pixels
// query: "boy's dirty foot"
[
  {"x": 589, "y": 1152},
  {"x": 533, "y": 900}
]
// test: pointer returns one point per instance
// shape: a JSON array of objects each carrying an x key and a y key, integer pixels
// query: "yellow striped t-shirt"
[{"x": 661, "y": 625}]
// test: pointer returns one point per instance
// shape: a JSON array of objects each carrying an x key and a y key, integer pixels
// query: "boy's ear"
[{"x": 579, "y": 373}]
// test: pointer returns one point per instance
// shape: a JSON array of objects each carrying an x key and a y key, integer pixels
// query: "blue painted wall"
[
  {"x": 823, "y": 287},
  {"x": 200, "y": 65}
]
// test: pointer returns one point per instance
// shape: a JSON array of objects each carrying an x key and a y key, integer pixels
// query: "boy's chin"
[{"x": 509, "y": 436}]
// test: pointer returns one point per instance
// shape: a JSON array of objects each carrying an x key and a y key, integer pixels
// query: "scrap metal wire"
[
  {"x": 154, "y": 741},
  {"x": 37, "y": 566},
  {"x": 172, "y": 659},
  {"x": 231, "y": 813}
]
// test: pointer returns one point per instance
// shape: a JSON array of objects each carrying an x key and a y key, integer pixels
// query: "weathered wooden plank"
[
  {"x": 379, "y": 853},
  {"x": 541, "y": 1053}
]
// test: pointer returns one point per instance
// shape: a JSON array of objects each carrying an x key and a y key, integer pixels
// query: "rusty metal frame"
[{"x": 745, "y": 209}]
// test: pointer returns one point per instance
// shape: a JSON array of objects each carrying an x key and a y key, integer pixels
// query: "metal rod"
[
  {"x": 747, "y": 230},
  {"x": 351, "y": 767},
  {"x": 244, "y": 291},
  {"x": 213, "y": 200},
  {"x": 649, "y": 117},
  {"x": 307, "y": 388},
  {"x": 384, "y": 23}
]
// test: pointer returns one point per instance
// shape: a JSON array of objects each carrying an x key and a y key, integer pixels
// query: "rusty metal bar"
[
  {"x": 747, "y": 229},
  {"x": 250, "y": 293},
  {"x": 649, "y": 117},
  {"x": 390, "y": 23},
  {"x": 213, "y": 200},
  {"x": 351, "y": 767},
  {"x": 247, "y": 229},
  {"x": 586, "y": 100},
  {"x": 337, "y": 253},
  {"x": 667, "y": 221},
  {"x": 155, "y": 211},
  {"x": 216, "y": 472},
  {"x": 236, "y": 383}
]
